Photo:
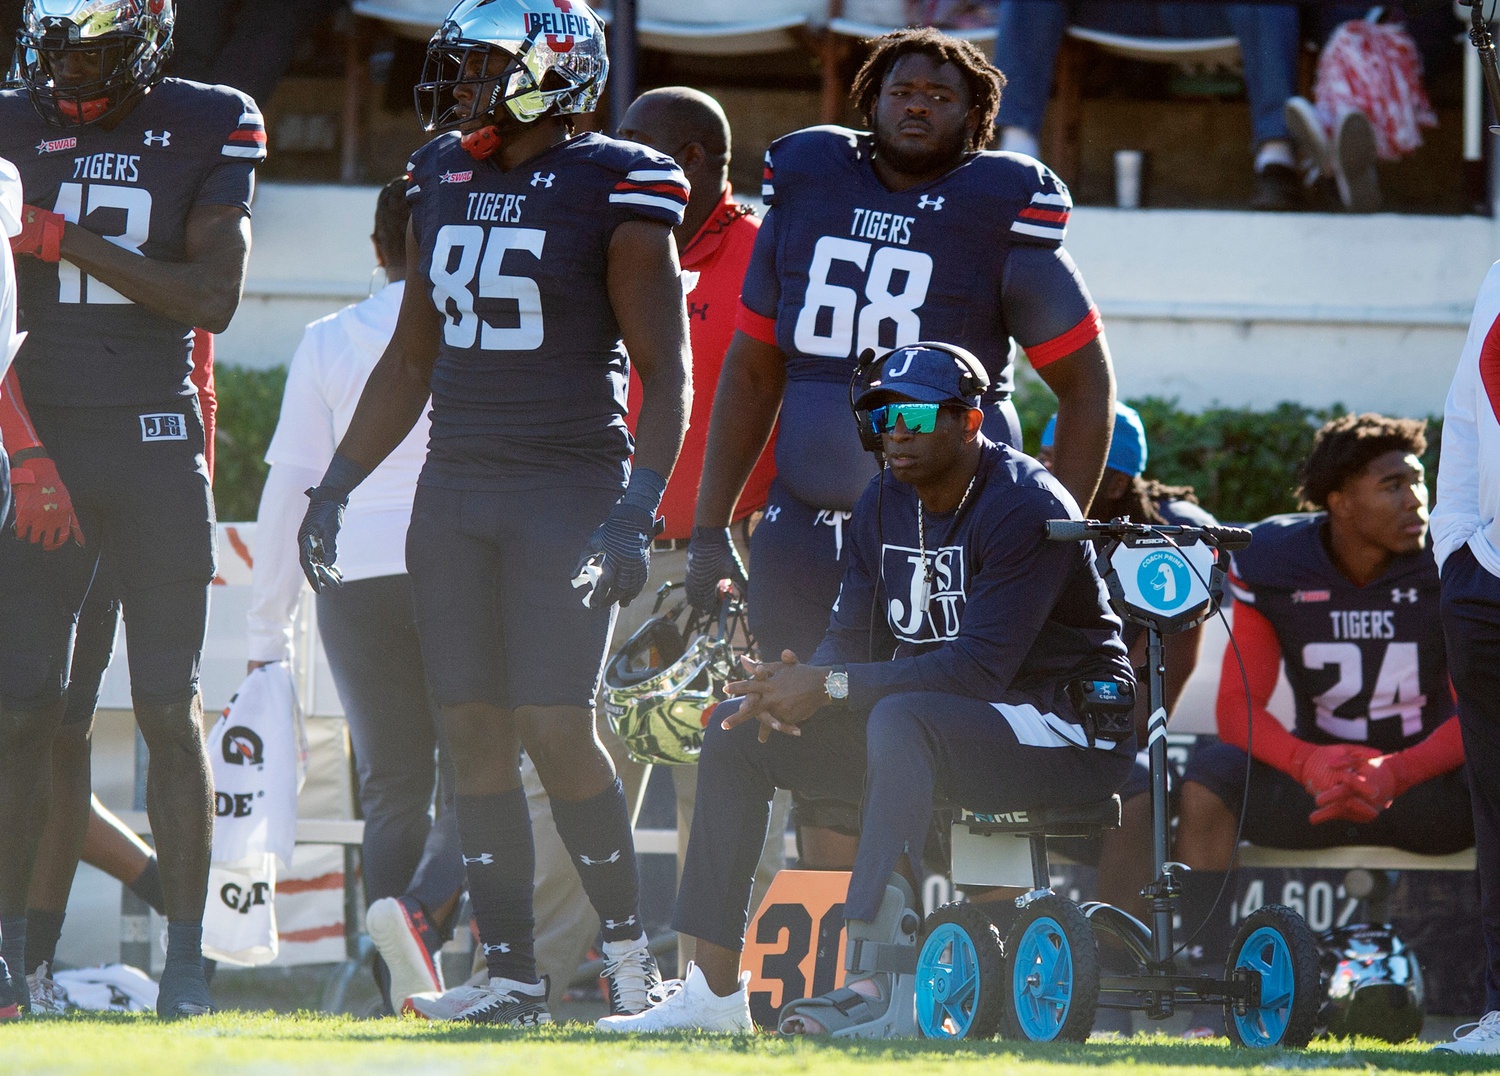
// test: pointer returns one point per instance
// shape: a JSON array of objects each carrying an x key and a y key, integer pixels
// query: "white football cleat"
[
  {"x": 689, "y": 1005},
  {"x": 408, "y": 943},
  {"x": 47, "y": 997},
  {"x": 631, "y": 975},
  {"x": 501, "y": 1002}
]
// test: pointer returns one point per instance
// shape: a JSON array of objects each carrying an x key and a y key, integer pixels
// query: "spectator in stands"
[
  {"x": 1125, "y": 854},
  {"x": 1346, "y": 598},
  {"x": 1031, "y": 31},
  {"x": 1466, "y": 542},
  {"x": 1368, "y": 103},
  {"x": 242, "y": 43},
  {"x": 413, "y": 869}
]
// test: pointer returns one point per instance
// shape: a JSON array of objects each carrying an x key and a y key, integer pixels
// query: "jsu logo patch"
[
  {"x": 919, "y": 612},
  {"x": 166, "y": 427},
  {"x": 242, "y": 747}
]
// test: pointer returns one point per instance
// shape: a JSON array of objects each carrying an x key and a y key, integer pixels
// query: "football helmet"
[
  {"x": 660, "y": 686},
  {"x": 82, "y": 61},
  {"x": 1372, "y": 984},
  {"x": 524, "y": 58}
]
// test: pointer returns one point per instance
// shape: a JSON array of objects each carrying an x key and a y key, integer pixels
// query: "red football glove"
[
  {"x": 1380, "y": 780},
  {"x": 44, "y": 511},
  {"x": 1319, "y": 769},
  {"x": 41, "y": 234}
]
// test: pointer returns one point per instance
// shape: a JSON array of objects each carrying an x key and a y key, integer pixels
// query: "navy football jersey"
[
  {"x": 1001, "y": 608},
  {"x": 184, "y": 144},
  {"x": 843, "y": 264},
  {"x": 1366, "y": 664},
  {"x": 529, "y": 388}
]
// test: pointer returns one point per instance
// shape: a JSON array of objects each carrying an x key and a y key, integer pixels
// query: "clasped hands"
[
  {"x": 1351, "y": 783},
  {"x": 780, "y": 695}
]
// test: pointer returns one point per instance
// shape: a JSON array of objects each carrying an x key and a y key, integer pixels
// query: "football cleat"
[
  {"x": 630, "y": 975},
  {"x": 499, "y": 1002},
  {"x": 1478, "y": 1038},
  {"x": 408, "y": 943},
  {"x": 47, "y": 998}
]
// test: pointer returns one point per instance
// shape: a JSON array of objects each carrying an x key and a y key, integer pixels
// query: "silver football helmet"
[
  {"x": 660, "y": 686},
  {"x": 529, "y": 58},
  {"x": 82, "y": 61}
]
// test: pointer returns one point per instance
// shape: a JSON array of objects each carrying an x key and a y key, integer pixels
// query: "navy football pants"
[{"x": 912, "y": 749}]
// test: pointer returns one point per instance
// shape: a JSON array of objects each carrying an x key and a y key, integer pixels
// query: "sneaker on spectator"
[
  {"x": 1354, "y": 163},
  {"x": 408, "y": 943},
  {"x": 689, "y": 1005},
  {"x": 500, "y": 1002},
  {"x": 1314, "y": 151},
  {"x": 47, "y": 997},
  {"x": 1277, "y": 189},
  {"x": 630, "y": 974},
  {"x": 1480, "y": 1038}
]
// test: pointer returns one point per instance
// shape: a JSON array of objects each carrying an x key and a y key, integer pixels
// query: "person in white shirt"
[
  {"x": 413, "y": 869},
  {"x": 1465, "y": 529}
]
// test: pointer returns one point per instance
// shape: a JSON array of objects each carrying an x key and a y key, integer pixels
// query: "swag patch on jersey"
[{"x": 924, "y": 606}]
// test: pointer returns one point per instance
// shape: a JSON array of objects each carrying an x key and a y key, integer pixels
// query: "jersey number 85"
[{"x": 480, "y": 254}]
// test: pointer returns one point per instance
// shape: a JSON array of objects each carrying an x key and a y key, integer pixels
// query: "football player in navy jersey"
[
  {"x": 1346, "y": 599},
  {"x": 874, "y": 240},
  {"x": 543, "y": 260},
  {"x": 950, "y": 667},
  {"x": 136, "y": 229}
]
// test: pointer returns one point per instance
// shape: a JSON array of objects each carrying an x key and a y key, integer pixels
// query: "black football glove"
[
  {"x": 711, "y": 556},
  {"x": 317, "y": 538},
  {"x": 617, "y": 560}
]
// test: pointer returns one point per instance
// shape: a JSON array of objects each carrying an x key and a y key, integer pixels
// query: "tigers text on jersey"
[
  {"x": 183, "y": 145},
  {"x": 1366, "y": 664},
  {"x": 529, "y": 389},
  {"x": 1001, "y": 608}
]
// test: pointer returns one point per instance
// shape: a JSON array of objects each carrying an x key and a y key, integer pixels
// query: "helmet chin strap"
[{"x": 483, "y": 143}]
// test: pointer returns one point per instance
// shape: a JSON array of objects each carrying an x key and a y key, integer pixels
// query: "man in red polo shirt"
[{"x": 714, "y": 242}]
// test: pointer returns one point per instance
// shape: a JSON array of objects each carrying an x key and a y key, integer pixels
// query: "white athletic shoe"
[
  {"x": 631, "y": 976},
  {"x": 47, "y": 997},
  {"x": 501, "y": 1002},
  {"x": 689, "y": 1005},
  {"x": 407, "y": 942},
  {"x": 1480, "y": 1038}
]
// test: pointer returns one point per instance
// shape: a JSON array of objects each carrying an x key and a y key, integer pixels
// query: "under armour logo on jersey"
[
  {"x": 934, "y": 204},
  {"x": 503, "y": 947},
  {"x": 154, "y": 139},
  {"x": 616, "y": 924},
  {"x": 772, "y": 511},
  {"x": 539, "y": 180},
  {"x": 1398, "y": 595},
  {"x": 613, "y": 857},
  {"x": 484, "y": 859}
]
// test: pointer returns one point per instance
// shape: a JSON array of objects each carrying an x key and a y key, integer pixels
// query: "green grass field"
[{"x": 263, "y": 1043}]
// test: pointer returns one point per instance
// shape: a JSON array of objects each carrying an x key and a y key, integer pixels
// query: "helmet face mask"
[
  {"x": 516, "y": 60},
  {"x": 1372, "y": 982},
  {"x": 85, "y": 61}
]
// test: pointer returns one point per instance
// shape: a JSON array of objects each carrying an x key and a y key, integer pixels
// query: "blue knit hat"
[{"x": 1127, "y": 449}]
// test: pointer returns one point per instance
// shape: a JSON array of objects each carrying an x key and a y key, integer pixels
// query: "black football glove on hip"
[{"x": 317, "y": 538}]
